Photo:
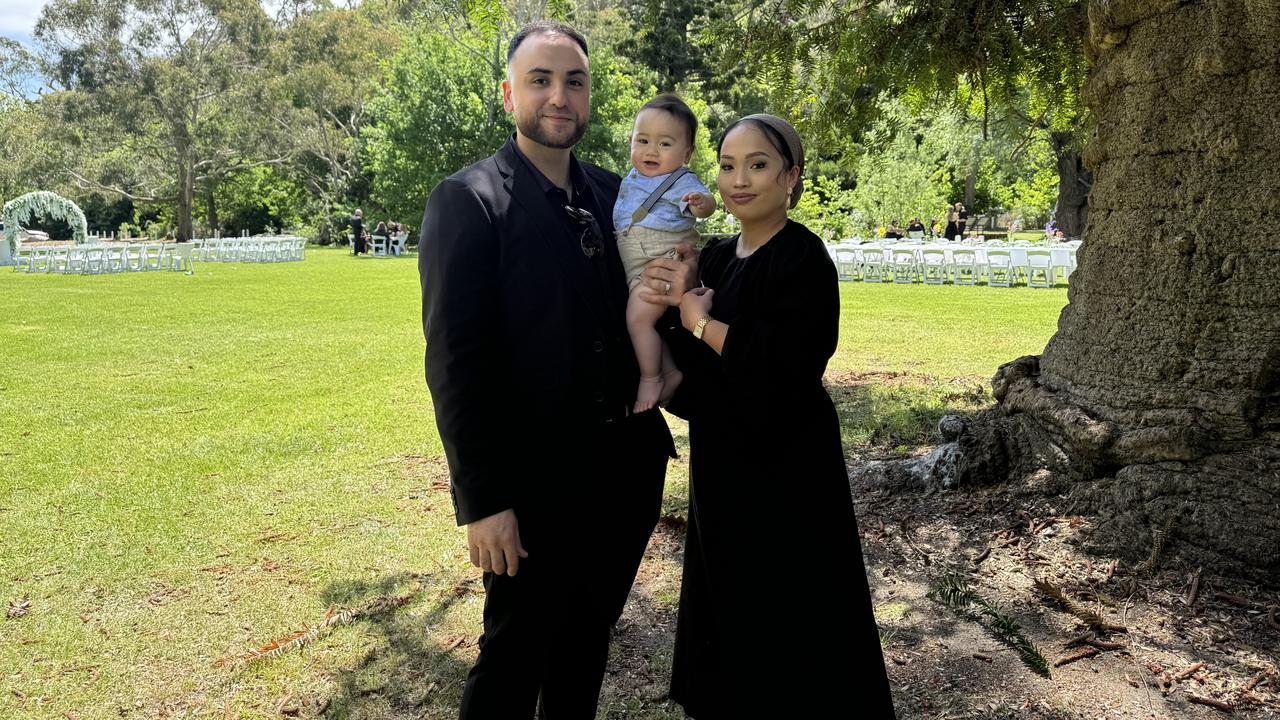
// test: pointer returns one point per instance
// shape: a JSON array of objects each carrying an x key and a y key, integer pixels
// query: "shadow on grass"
[
  {"x": 408, "y": 673},
  {"x": 391, "y": 258},
  {"x": 887, "y": 415}
]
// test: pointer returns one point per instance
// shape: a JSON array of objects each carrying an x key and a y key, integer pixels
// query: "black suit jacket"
[{"x": 527, "y": 346}]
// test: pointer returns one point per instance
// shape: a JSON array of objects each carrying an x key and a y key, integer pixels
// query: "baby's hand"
[{"x": 700, "y": 203}]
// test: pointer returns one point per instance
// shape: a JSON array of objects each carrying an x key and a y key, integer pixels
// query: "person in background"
[
  {"x": 953, "y": 222},
  {"x": 962, "y": 218},
  {"x": 357, "y": 232}
]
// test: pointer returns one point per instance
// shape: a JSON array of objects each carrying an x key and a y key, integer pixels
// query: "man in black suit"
[
  {"x": 532, "y": 375},
  {"x": 357, "y": 232}
]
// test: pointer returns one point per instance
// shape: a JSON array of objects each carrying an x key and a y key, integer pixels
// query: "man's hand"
[
  {"x": 700, "y": 204},
  {"x": 494, "y": 543},
  {"x": 667, "y": 280}
]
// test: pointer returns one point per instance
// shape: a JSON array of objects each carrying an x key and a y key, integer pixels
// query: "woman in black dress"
[{"x": 775, "y": 613}]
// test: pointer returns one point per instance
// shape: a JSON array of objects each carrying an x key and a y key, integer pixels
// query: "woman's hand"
[
  {"x": 695, "y": 305},
  {"x": 667, "y": 280}
]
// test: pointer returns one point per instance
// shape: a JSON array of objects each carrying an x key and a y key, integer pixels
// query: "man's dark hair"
[
  {"x": 546, "y": 27},
  {"x": 671, "y": 104}
]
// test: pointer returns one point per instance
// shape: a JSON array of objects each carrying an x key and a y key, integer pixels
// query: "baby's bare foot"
[{"x": 647, "y": 394}]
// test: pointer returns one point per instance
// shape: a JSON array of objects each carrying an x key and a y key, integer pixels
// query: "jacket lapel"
[{"x": 562, "y": 245}]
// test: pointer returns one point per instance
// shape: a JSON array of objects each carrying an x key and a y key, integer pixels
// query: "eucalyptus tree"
[{"x": 182, "y": 84}]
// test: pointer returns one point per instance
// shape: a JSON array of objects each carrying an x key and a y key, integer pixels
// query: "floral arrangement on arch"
[{"x": 44, "y": 204}]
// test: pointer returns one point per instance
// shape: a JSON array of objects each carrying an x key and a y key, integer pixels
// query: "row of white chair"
[
  {"x": 98, "y": 259},
  {"x": 932, "y": 266},
  {"x": 251, "y": 249}
]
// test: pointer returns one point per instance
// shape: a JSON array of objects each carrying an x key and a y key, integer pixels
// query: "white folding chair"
[
  {"x": 94, "y": 261},
  {"x": 999, "y": 268},
  {"x": 23, "y": 259},
  {"x": 846, "y": 260},
  {"x": 60, "y": 260},
  {"x": 379, "y": 244},
  {"x": 115, "y": 259},
  {"x": 132, "y": 258},
  {"x": 904, "y": 266},
  {"x": 935, "y": 266},
  {"x": 40, "y": 259},
  {"x": 75, "y": 260},
  {"x": 872, "y": 265},
  {"x": 152, "y": 257},
  {"x": 1039, "y": 268},
  {"x": 964, "y": 265},
  {"x": 180, "y": 256}
]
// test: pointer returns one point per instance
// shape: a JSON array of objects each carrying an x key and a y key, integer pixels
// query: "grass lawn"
[{"x": 194, "y": 465}]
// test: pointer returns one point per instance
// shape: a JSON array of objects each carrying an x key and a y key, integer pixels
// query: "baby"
[{"x": 651, "y": 216}]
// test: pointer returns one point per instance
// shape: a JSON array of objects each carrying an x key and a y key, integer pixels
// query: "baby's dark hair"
[{"x": 671, "y": 104}]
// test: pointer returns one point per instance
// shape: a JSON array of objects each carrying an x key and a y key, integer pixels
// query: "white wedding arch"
[{"x": 46, "y": 205}]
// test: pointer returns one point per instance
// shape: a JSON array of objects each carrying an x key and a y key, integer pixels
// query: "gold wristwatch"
[{"x": 700, "y": 326}]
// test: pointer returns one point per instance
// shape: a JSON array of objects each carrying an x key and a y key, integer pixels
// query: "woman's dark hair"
[
  {"x": 773, "y": 136},
  {"x": 671, "y": 104},
  {"x": 546, "y": 27}
]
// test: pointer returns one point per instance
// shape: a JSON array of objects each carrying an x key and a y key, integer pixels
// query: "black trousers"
[{"x": 546, "y": 630}]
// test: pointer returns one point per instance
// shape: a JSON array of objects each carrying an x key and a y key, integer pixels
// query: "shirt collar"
[{"x": 577, "y": 177}]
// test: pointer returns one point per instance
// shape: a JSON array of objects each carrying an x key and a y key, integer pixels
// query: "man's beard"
[{"x": 532, "y": 129}]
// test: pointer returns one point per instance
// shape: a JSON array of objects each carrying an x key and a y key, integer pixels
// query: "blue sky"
[{"x": 18, "y": 18}]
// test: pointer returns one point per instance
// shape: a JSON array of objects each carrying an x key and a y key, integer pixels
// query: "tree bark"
[
  {"x": 211, "y": 206},
  {"x": 186, "y": 200},
  {"x": 1074, "y": 180},
  {"x": 1158, "y": 399}
]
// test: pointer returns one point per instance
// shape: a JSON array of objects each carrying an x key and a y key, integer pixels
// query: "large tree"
[
  {"x": 1156, "y": 405},
  {"x": 181, "y": 82},
  {"x": 1159, "y": 396}
]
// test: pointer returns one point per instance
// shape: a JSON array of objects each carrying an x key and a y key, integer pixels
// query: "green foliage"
[
  {"x": 258, "y": 199},
  {"x": 439, "y": 111},
  {"x": 30, "y": 159},
  {"x": 184, "y": 87},
  {"x": 618, "y": 89},
  {"x": 332, "y": 62},
  {"x": 955, "y": 592},
  {"x": 824, "y": 66}
]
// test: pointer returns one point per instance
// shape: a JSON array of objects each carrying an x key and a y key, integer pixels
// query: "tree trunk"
[
  {"x": 971, "y": 192},
  {"x": 186, "y": 200},
  {"x": 1074, "y": 180},
  {"x": 211, "y": 206},
  {"x": 1158, "y": 399}
]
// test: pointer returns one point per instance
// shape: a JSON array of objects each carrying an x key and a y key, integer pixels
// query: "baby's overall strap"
[{"x": 656, "y": 195}]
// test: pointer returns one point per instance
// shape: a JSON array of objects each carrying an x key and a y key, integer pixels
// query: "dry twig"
[
  {"x": 1189, "y": 672},
  {"x": 1255, "y": 680},
  {"x": 1223, "y": 706},
  {"x": 1077, "y": 655}
]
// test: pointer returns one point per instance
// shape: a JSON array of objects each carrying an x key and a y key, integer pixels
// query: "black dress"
[{"x": 775, "y": 613}]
